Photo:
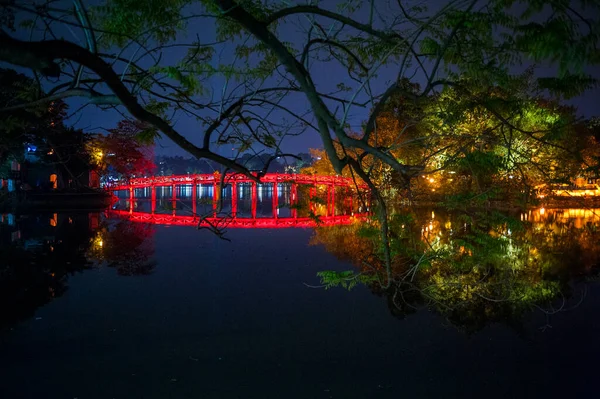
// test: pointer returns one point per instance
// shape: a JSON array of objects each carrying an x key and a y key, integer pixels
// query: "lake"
[{"x": 97, "y": 306}]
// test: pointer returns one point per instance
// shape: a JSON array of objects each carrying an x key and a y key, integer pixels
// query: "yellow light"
[
  {"x": 431, "y": 180},
  {"x": 542, "y": 211}
]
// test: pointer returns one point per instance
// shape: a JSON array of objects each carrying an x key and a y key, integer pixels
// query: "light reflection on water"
[{"x": 475, "y": 268}]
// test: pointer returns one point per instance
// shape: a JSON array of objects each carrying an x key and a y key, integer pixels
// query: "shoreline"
[{"x": 64, "y": 200}]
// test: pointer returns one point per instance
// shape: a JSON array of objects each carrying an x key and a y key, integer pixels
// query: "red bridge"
[{"x": 279, "y": 200}]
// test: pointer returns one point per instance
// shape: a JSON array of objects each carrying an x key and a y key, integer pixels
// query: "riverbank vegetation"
[{"x": 469, "y": 156}]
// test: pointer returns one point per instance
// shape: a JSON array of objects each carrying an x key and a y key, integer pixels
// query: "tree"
[
  {"x": 470, "y": 148},
  {"x": 31, "y": 126},
  {"x": 41, "y": 132},
  {"x": 122, "y": 153},
  {"x": 66, "y": 149},
  {"x": 458, "y": 36}
]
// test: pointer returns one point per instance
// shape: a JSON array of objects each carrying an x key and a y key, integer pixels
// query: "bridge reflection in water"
[{"x": 280, "y": 200}]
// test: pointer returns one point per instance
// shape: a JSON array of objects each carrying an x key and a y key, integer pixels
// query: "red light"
[
  {"x": 235, "y": 222},
  {"x": 142, "y": 182},
  {"x": 243, "y": 223}
]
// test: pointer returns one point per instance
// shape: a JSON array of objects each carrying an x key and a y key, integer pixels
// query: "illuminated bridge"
[{"x": 279, "y": 200}]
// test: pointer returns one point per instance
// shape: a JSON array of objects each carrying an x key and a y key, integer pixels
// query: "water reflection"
[
  {"x": 473, "y": 268},
  {"x": 40, "y": 252},
  {"x": 124, "y": 245},
  {"x": 38, "y": 255}
]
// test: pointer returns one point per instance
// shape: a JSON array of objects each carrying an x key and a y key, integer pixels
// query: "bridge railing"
[
  {"x": 325, "y": 205},
  {"x": 205, "y": 178}
]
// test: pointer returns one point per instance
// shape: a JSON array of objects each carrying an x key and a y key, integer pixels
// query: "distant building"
[
  {"x": 10, "y": 175},
  {"x": 32, "y": 173}
]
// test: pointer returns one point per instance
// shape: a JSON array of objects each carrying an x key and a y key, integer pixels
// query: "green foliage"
[
  {"x": 27, "y": 23},
  {"x": 480, "y": 163},
  {"x": 147, "y": 135},
  {"x": 369, "y": 231},
  {"x": 430, "y": 46},
  {"x": 187, "y": 75},
  {"x": 547, "y": 42},
  {"x": 473, "y": 268},
  {"x": 500, "y": 141},
  {"x": 314, "y": 217},
  {"x": 343, "y": 87},
  {"x": 402, "y": 219},
  {"x": 568, "y": 86},
  {"x": 159, "y": 108},
  {"x": 269, "y": 141},
  {"x": 297, "y": 206},
  {"x": 345, "y": 279},
  {"x": 126, "y": 20},
  {"x": 319, "y": 200}
]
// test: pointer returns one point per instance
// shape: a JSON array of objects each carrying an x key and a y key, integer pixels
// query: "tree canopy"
[
  {"x": 242, "y": 74},
  {"x": 121, "y": 152}
]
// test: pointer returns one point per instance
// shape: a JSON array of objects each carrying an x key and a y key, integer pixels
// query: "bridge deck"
[{"x": 336, "y": 181}]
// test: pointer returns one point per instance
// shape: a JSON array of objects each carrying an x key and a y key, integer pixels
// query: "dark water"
[{"x": 103, "y": 308}]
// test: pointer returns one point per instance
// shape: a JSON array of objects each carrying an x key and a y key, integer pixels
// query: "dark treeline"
[{"x": 178, "y": 165}]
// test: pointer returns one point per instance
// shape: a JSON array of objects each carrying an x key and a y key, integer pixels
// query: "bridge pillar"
[
  {"x": 215, "y": 198},
  {"x": 332, "y": 198},
  {"x": 174, "y": 197},
  {"x": 275, "y": 200},
  {"x": 254, "y": 199},
  {"x": 311, "y": 195},
  {"x": 234, "y": 198},
  {"x": 328, "y": 200},
  {"x": 131, "y": 199},
  {"x": 294, "y": 200},
  {"x": 194, "y": 197},
  {"x": 153, "y": 199},
  {"x": 351, "y": 202}
]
